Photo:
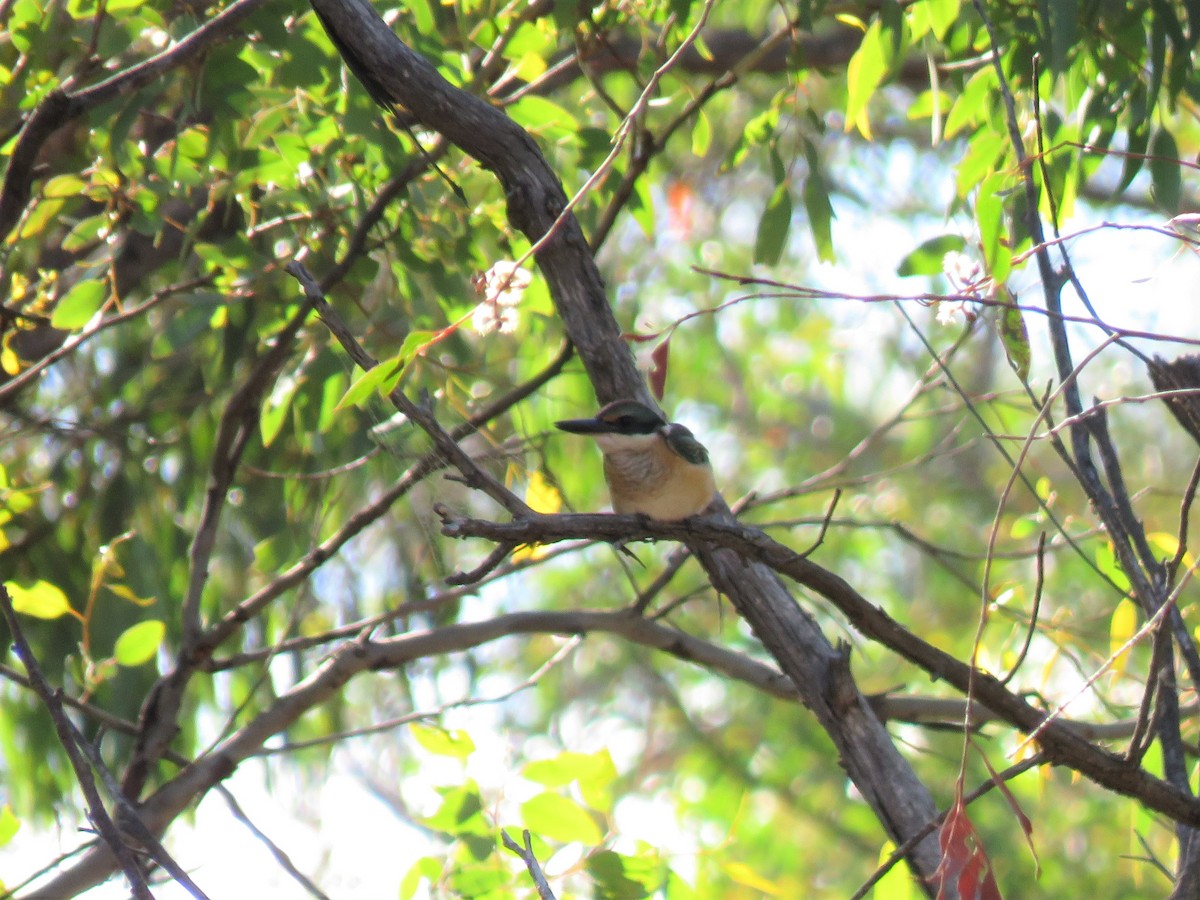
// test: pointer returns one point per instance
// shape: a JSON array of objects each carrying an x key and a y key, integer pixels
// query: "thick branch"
[
  {"x": 535, "y": 201},
  {"x": 1062, "y": 744},
  {"x": 356, "y": 657}
]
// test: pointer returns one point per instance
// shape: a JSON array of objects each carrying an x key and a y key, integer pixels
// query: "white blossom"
[{"x": 501, "y": 287}]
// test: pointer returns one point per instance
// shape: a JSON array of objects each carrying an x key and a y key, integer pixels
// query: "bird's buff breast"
[{"x": 660, "y": 486}]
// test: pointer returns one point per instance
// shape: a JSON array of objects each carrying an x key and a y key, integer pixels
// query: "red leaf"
[
  {"x": 658, "y": 371},
  {"x": 965, "y": 864},
  {"x": 640, "y": 338}
]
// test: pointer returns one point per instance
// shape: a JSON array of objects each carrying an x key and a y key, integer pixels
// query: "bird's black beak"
[{"x": 585, "y": 426}]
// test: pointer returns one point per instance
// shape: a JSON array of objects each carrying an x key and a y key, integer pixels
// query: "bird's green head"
[{"x": 626, "y": 417}]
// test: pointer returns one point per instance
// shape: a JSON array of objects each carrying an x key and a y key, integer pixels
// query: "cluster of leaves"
[{"x": 152, "y": 250}]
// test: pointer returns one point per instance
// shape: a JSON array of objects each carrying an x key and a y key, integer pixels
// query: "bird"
[{"x": 653, "y": 467}]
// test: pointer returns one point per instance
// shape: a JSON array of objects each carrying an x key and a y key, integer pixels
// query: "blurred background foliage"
[{"x": 811, "y": 144}]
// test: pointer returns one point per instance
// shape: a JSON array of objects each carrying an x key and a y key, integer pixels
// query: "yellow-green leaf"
[
  {"x": 126, "y": 593},
  {"x": 442, "y": 741},
  {"x": 9, "y": 823},
  {"x": 1014, "y": 336},
  {"x": 864, "y": 74},
  {"x": 701, "y": 135},
  {"x": 138, "y": 643},
  {"x": 363, "y": 387},
  {"x": 79, "y": 305},
  {"x": 898, "y": 883},
  {"x": 541, "y": 495},
  {"x": 42, "y": 600},
  {"x": 746, "y": 876},
  {"x": 1121, "y": 628},
  {"x": 560, "y": 819}
]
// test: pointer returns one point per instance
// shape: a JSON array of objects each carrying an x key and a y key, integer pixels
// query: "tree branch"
[{"x": 1061, "y": 744}]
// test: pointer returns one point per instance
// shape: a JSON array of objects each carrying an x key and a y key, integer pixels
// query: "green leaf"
[
  {"x": 1014, "y": 336},
  {"x": 1106, "y": 562},
  {"x": 425, "y": 869},
  {"x": 79, "y": 304},
  {"x": 560, "y": 818},
  {"x": 942, "y": 15},
  {"x": 701, "y": 135},
  {"x": 138, "y": 643},
  {"x": 332, "y": 388},
  {"x": 1061, "y": 27},
  {"x": 617, "y": 875},
  {"x": 64, "y": 187},
  {"x": 1139, "y": 142},
  {"x": 461, "y": 812},
  {"x": 773, "y": 227},
  {"x": 544, "y": 117},
  {"x": 9, "y": 824},
  {"x": 443, "y": 742},
  {"x": 641, "y": 206},
  {"x": 364, "y": 387},
  {"x": 274, "y": 412},
  {"x": 865, "y": 73},
  {"x": 820, "y": 214},
  {"x": 594, "y": 773},
  {"x": 989, "y": 214},
  {"x": 1164, "y": 171},
  {"x": 927, "y": 258},
  {"x": 42, "y": 600}
]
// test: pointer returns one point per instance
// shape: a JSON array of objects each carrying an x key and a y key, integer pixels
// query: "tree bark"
[{"x": 536, "y": 200}]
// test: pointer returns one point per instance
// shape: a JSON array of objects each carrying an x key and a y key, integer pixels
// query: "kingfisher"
[{"x": 653, "y": 467}]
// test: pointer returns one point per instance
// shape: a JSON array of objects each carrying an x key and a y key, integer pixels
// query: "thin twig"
[
  {"x": 490, "y": 562},
  {"x": 274, "y": 849},
  {"x": 98, "y": 815},
  {"x": 900, "y": 852},
  {"x": 130, "y": 820},
  {"x": 1033, "y": 614},
  {"x": 531, "y": 863},
  {"x": 475, "y": 476},
  {"x": 837, "y": 495}
]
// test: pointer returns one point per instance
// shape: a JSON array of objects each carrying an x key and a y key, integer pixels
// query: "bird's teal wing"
[{"x": 684, "y": 444}]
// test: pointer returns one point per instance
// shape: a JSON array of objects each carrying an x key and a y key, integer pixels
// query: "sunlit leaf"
[
  {"x": 559, "y": 818},
  {"x": 442, "y": 741},
  {"x": 79, "y": 304},
  {"x": 993, "y": 235},
  {"x": 427, "y": 869},
  {"x": 365, "y": 386},
  {"x": 742, "y": 874},
  {"x": 1121, "y": 628},
  {"x": 1106, "y": 562},
  {"x": 460, "y": 812},
  {"x": 9, "y": 824},
  {"x": 126, "y": 593},
  {"x": 898, "y": 883},
  {"x": 701, "y": 135},
  {"x": 41, "y": 599},
  {"x": 865, "y": 73},
  {"x": 542, "y": 496},
  {"x": 139, "y": 643}
]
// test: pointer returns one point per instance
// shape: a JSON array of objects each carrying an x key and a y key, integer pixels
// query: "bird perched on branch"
[{"x": 653, "y": 467}]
